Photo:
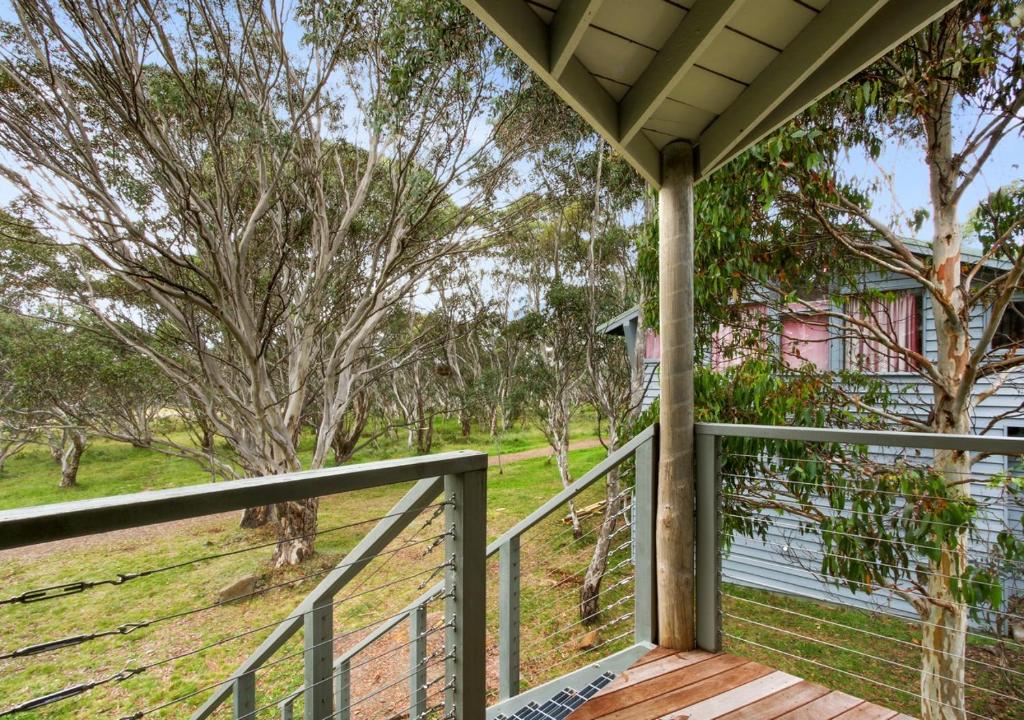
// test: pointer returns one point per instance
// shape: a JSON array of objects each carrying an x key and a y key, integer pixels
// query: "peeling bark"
[
  {"x": 73, "y": 442},
  {"x": 591, "y": 588}
]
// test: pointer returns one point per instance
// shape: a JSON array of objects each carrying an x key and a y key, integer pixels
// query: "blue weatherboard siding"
[{"x": 773, "y": 564}]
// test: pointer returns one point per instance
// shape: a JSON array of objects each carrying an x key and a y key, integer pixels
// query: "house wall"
[{"x": 785, "y": 560}]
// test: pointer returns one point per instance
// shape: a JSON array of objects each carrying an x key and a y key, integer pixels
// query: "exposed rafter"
[
  {"x": 823, "y": 36},
  {"x": 696, "y": 31},
  {"x": 842, "y": 38},
  {"x": 516, "y": 25},
  {"x": 885, "y": 29},
  {"x": 567, "y": 28}
]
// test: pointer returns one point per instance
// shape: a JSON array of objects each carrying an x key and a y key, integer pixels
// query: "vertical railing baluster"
[
  {"x": 418, "y": 662},
  {"x": 707, "y": 449},
  {"x": 508, "y": 641},
  {"x": 287, "y": 709},
  {"x": 319, "y": 658},
  {"x": 243, "y": 704},
  {"x": 342, "y": 688},
  {"x": 645, "y": 577},
  {"x": 466, "y": 595}
]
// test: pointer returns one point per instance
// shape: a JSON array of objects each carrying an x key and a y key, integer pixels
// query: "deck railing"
[
  {"x": 457, "y": 690},
  {"x": 767, "y": 582},
  {"x": 811, "y": 557}
]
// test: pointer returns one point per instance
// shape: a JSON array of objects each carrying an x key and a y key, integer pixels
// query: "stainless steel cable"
[
  {"x": 133, "y": 671},
  {"x": 876, "y": 608},
  {"x": 805, "y": 531},
  {"x": 881, "y": 636},
  {"x": 854, "y": 651},
  {"x": 127, "y": 628},
  {"x": 845, "y": 581},
  {"x": 872, "y": 490},
  {"x": 822, "y": 553},
  {"x": 73, "y": 588},
  {"x": 269, "y": 664},
  {"x": 564, "y": 629}
]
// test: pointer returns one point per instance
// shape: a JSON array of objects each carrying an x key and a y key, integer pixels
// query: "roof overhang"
[
  {"x": 719, "y": 74},
  {"x": 617, "y": 325}
]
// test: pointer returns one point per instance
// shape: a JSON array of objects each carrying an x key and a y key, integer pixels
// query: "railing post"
[
  {"x": 243, "y": 694},
  {"x": 709, "y": 553},
  {"x": 343, "y": 688},
  {"x": 508, "y": 641},
  {"x": 466, "y": 595},
  {"x": 418, "y": 662},
  {"x": 645, "y": 493},
  {"x": 319, "y": 659}
]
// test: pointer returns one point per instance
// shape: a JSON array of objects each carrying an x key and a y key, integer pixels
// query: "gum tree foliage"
[
  {"x": 781, "y": 226},
  {"x": 70, "y": 381},
  {"x": 580, "y": 275},
  {"x": 258, "y": 186}
]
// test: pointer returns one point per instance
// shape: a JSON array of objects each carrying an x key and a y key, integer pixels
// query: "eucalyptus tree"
[
  {"x": 65, "y": 381},
  {"x": 955, "y": 92},
  {"x": 264, "y": 183}
]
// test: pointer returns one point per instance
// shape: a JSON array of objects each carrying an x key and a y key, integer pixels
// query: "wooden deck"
[{"x": 701, "y": 686}]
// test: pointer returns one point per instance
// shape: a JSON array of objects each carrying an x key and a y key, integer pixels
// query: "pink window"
[
  {"x": 805, "y": 340},
  {"x": 652, "y": 345},
  {"x": 896, "y": 320}
]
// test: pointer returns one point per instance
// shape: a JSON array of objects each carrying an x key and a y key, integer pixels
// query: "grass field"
[
  {"x": 110, "y": 468},
  {"x": 205, "y": 649}
]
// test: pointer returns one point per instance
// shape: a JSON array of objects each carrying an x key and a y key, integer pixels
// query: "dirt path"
[
  {"x": 539, "y": 452},
  {"x": 133, "y": 537}
]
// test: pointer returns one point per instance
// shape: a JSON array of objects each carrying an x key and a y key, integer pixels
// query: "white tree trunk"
[{"x": 943, "y": 638}]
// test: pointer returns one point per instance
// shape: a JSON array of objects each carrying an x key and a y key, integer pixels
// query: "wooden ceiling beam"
[
  {"x": 522, "y": 30},
  {"x": 885, "y": 30},
  {"x": 567, "y": 27},
  {"x": 695, "y": 32},
  {"x": 823, "y": 36}
]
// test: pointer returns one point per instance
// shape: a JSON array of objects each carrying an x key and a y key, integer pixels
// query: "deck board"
[{"x": 703, "y": 686}]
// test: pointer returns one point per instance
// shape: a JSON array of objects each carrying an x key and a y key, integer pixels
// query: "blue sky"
[{"x": 909, "y": 174}]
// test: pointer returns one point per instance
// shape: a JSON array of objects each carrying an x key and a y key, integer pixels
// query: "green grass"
[{"x": 111, "y": 468}]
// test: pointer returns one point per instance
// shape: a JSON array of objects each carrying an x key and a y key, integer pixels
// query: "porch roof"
[{"x": 719, "y": 74}]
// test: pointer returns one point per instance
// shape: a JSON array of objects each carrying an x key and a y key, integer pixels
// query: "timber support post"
[{"x": 675, "y": 501}]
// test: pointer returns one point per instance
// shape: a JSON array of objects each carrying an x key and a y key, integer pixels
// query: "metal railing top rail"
[
  {"x": 888, "y": 438},
  {"x": 593, "y": 475},
  {"x": 59, "y": 521}
]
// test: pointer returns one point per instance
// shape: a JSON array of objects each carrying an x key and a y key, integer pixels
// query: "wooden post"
[
  {"x": 418, "y": 662},
  {"x": 646, "y": 488},
  {"x": 319, "y": 659},
  {"x": 675, "y": 528},
  {"x": 244, "y": 691}
]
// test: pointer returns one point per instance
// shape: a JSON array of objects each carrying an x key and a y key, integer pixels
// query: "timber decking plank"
[
  {"x": 655, "y": 654},
  {"x": 698, "y": 685},
  {"x": 824, "y": 708},
  {"x": 867, "y": 711},
  {"x": 736, "y": 698},
  {"x": 665, "y": 682},
  {"x": 779, "y": 703},
  {"x": 691, "y": 694},
  {"x": 646, "y": 671}
]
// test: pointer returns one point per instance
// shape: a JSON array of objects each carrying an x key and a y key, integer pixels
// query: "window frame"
[{"x": 917, "y": 292}]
